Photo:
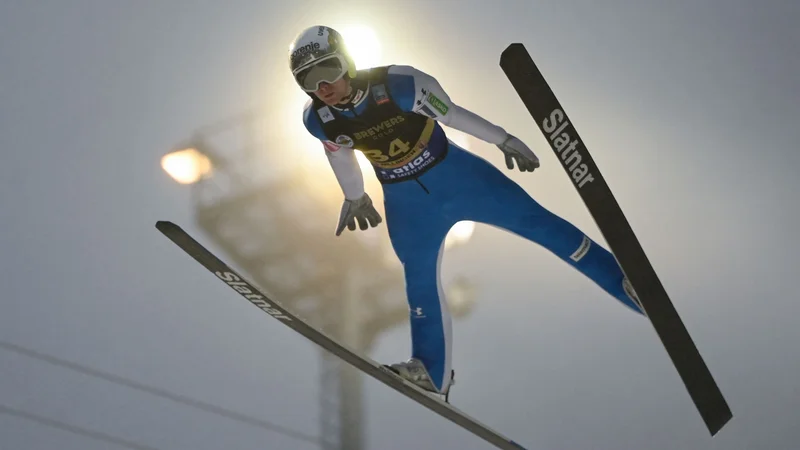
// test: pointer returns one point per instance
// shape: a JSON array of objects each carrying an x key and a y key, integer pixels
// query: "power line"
[
  {"x": 178, "y": 398},
  {"x": 73, "y": 429}
]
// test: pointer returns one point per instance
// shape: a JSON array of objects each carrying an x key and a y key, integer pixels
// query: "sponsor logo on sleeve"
[{"x": 436, "y": 103}]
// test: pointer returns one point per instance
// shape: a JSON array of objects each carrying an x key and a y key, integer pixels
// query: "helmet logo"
[{"x": 308, "y": 48}]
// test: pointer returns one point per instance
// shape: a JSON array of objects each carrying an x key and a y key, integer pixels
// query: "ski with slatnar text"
[
  {"x": 571, "y": 151},
  {"x": 378, "y": 371}
]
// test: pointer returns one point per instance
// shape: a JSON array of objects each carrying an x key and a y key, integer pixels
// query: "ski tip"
[
  {"x": 164, "y": 225},
  {"x": 512, "y": 50}
]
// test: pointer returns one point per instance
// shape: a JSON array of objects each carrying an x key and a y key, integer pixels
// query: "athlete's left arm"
[{"x": 418, "y": 92}]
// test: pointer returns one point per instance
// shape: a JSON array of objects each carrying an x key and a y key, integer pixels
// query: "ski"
[
  {"x": 574, "y": 156},
  {"x": 378, "y": 371}
]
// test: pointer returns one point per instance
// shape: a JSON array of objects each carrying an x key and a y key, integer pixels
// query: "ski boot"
[{"x": 414, "y": 371}]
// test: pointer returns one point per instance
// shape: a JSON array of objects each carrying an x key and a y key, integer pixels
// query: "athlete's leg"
[
  {"x": 417, "y": 230},
  {"x": 490, "y": 197}
]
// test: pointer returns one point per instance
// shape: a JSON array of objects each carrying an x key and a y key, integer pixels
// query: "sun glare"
[
  {"x": 363, "y": 45},
  {"x": 186, "y": 166}
]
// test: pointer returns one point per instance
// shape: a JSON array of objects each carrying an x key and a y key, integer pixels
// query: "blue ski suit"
[{"x": 429, "y": 184}]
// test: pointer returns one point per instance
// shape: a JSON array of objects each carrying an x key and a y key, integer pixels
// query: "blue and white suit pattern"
[{"x": 420, "y": 213}]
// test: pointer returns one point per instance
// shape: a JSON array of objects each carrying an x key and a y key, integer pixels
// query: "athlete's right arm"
[
  {"x": 341, "y": 159},
  {"x": 345, "y": 166},
  {"x": 357, "y": 208}
]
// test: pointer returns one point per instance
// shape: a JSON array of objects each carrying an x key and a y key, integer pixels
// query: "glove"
[
  {"x": 360, "y": 209},
  {"x": 514, "y": 149}
]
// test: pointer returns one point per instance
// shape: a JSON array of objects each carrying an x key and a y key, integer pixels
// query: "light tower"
[{"x": 261, "y": 210}]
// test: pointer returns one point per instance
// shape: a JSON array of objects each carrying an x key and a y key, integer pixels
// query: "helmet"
[{"x": 318, "y": 54}]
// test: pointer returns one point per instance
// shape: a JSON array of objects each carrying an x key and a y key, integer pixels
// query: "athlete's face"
[{"x": 333, "y": 93}]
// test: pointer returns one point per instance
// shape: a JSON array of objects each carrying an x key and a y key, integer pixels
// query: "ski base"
[
  {"x": 378, "y": 371},
  {"x": 560, "y": 132}
]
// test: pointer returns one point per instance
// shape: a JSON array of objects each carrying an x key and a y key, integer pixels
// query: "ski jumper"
[{"x": 430, "y": 184}]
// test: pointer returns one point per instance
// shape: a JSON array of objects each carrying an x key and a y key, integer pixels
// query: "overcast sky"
[{"x": 690, "y": 108}]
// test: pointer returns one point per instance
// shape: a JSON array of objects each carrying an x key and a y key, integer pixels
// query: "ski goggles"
[{"x": 326, "y": 70}]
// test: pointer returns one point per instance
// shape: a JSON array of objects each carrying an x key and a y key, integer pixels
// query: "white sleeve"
[
  {"x": 345, "y": 166},
  {"x": 431, "y": 100}
]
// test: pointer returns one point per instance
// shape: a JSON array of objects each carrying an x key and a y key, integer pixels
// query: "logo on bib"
[
  {"x": 379, "y": 92},
  {"x": 325, "y": 114},
  {"x": 344, "y": 140}
]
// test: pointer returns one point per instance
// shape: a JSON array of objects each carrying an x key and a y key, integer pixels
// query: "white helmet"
[{"x": 317, "y": 55}]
